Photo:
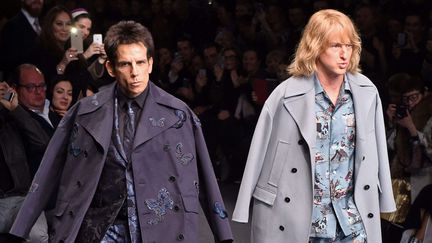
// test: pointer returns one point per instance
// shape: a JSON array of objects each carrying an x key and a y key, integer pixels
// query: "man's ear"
[{"x": 110, "y": 68}]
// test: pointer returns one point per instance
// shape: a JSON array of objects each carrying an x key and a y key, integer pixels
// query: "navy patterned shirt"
[{"x": 333, "y": 204}]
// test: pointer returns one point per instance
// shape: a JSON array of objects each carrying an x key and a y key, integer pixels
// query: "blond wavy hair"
[{"x": 315, "y": 40}]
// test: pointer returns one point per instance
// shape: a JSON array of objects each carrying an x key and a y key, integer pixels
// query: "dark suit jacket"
[
  {"x": 17, "y": 42},
  {"x": 171, "y": 167}
]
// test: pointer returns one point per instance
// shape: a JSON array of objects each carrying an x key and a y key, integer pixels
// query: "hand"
[
  {"x": 408, "y": 123},
  {"x": 200, "y": 109},
  {"x": 391, "y": 112},
  {"x": 10, "y": 105},
  {"x": 223, "y": 115},
  {"x": 71, "y": 54},
  {"x": 218, "y": 72},
  {"x": 93, "y": 49}
]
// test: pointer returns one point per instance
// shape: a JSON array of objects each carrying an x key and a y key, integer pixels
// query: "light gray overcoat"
[{"x": 279, "y": 173}]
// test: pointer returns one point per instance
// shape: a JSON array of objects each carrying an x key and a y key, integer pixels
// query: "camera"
[{"x": 401, "y": 111}]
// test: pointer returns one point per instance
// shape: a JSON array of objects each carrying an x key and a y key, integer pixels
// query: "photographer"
[{"x": 409, "y": 138}]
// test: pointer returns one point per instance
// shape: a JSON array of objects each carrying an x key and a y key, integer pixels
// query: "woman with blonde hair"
[{"x": 318, "y": 168}]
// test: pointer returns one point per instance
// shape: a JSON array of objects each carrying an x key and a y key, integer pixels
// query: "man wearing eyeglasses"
[{"x": 30, "y": 86}]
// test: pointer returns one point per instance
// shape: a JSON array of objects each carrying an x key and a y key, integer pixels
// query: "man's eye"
[{"x": 123, "y": 64}]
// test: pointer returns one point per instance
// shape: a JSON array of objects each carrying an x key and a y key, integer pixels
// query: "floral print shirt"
[{"x": 333, "y": 203}]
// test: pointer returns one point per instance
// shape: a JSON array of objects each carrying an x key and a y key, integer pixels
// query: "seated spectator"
[
  {"x": 19, "y": 130},
  {"x": 30, "y": 85},
  {"x": 419, "y": 216},
  {"x": 410, "y": 139},
  {"x": 61, "y": 96}
]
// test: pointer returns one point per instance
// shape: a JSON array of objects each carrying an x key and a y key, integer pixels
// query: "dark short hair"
[
  {"x": 402, "y": 83},
  {"x": 127, "y": 32}
]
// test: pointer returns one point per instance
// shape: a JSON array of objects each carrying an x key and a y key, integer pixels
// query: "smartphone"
[
  {"x": 97, "y": 38},
  {"x": 8, "y": 96},
  {"x": 401, "y": 39},
  {"x": 401, "y": 111},
  {"x": 77, "y": 40}
]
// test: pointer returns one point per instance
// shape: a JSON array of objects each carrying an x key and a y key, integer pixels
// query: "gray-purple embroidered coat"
[{"x": 171, "y": 166}]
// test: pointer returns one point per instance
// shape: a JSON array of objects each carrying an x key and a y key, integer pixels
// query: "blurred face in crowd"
[
  {"x": 230, "y": 60},
  {"x": 61, "y": 27},
  {"x": 165, "y": 56},
  {"x": 334, "y": 60},
  {"x": 364, "y": 18},
  {"x": 211, "y": 56},
  {"x": 62, "y": 95},
  {"x": 412, "y": 98},
  {"x": 33, "y": 7},
  {"x": 32, "y": 89},
  {"x": 414, "y": 25},
  {"x": 185, "y": 50},
  {"x": 132, "y": 68},
  {"x": 84, "y": 25},
  {"x": 250, "y": 61}
]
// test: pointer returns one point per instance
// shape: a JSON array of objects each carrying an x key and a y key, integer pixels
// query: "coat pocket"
[
  {"x": 278, "y": 162},
  {"x": 190, "y": 204},
  {"x": 264, "y": 195}
]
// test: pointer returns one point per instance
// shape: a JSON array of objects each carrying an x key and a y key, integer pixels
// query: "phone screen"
[
  {"x": 97, "y": 38},
  {"x": 77, "y": 40}
]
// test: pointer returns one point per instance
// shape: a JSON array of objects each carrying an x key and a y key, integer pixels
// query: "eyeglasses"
[
  {"x": 410, "y": 98},
  {"x": 32, "y": 88},
  {"x": 339, "y": 46}
]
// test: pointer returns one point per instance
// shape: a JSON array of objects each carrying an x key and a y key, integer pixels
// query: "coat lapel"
[
  {"x": 96, "y": 116},
  {"x": 157, "y": 116},
  {"x": 300, "y": 103},
  {"x": 364, "y": 99}
]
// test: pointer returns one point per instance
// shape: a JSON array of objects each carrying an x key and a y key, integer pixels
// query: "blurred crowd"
[{"x": 223, "y": 58}]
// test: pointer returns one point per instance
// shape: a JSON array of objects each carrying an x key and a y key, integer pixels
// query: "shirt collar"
[
  {"x": 139, "y": 100},
  {"x": 319, "y": 89},
  {"x": 30, "y": 18}
]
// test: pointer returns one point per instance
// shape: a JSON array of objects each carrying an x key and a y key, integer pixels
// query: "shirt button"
[
  {"x": 176, "y": 208},
  {"x": 370, "y": 215},
  {"x": 301, "y": 142},
  {"x": 172, "y": 179},
  {"x": 294, "y": 170},
  {"x": 78, "y": 183},
  {"x": 366, "y": 187},
  {"x": 180, "y": 237},
  {"x": 281, "y": 228},
  {"x": 287, "y": 199}
]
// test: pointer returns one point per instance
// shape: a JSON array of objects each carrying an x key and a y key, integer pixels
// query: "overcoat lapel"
[
  {"x": 364, "y": 100},
  {"x": 299, "y": 102},
  {"x": 157, "y": 116},
  {"x": 100, "y": 123}
]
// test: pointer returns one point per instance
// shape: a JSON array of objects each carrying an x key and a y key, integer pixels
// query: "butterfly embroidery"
[
  {"x": 219, "y": 210},
  {"x": 182, "y": 157},
  {"x": 182, "y": 118},
  {"x": 160, "y": 205},
  {"x": 157, "y": 123}
]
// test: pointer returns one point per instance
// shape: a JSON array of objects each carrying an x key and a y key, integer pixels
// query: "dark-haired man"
[{"x": 128, "y": 163}]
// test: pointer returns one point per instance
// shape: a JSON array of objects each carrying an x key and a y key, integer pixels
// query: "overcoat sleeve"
[
  {"x": 46, "y": 179},
  {"x": 254, "y": 165},
  {"x": 387, "y": 203},
  {"x": 210, "y": 196}
]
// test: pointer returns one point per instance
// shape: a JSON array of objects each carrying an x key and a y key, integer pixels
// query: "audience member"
[
  {"x": 61, "y": 96},
  {"x": 410, "y": 140},
  {"x": 419, "y": 216},
  {"x": 18, "y": 37},
  {"x": 50, "y": 55},
  {"x": 30, "y": 85},
  {"x": 21, "y": 133}
]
